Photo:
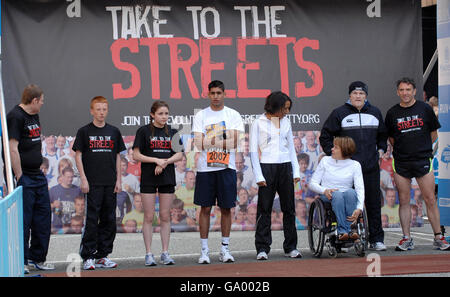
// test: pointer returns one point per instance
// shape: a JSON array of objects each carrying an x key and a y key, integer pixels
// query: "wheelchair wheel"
[
  {"x": 316, "y": 223},
  {"x": 364, "y": 230},
  {"x": 332, "y": 250},
  {"x": 362, "y": 244},
  {"x": 359, "y": 248}
]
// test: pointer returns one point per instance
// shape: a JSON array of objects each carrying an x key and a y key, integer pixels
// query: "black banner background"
[{"x": 72, "y": 58}]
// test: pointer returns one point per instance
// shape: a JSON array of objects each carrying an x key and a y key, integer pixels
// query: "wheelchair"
[{"x": 322, "y": 231}]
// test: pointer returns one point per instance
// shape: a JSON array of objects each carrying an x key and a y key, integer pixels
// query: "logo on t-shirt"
[
  {"x": 34, "y": 131},
  {"x": 408, "y": 124},
  {"x": 161, "y": 144},
  {"x": 102, "y": 144}
]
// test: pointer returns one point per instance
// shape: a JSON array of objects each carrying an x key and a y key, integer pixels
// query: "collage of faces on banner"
[{"x": 68, "y": 202}]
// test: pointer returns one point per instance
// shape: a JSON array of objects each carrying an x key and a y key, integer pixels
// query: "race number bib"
[{"x": 218, "y": 158}]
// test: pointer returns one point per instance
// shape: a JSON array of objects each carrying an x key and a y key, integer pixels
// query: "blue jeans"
[{"x": 343, "y": 205}]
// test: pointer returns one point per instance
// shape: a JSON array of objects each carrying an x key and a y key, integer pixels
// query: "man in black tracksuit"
[{"x": 364, "y": 123}]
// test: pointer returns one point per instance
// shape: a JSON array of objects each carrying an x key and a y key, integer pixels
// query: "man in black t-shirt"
[
  {"x": 98, "y": 146},
  {"x": 412, "y": 128},
  {"x": 24, "y": 130}
]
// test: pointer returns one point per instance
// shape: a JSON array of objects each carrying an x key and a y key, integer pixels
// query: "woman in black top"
[{"x": 154, "y": 148}]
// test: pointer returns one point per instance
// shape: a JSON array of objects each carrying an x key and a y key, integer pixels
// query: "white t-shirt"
[{"x": 210, "y": 122}]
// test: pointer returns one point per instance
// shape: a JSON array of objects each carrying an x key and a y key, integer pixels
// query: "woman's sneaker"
[
  {"x": 89, "y": 264},
  {"x": 166, "y": 259},
  {"x": 150, "y": 260},
  {"x": 405, "y": 244},
  {"x": 441, "y": 244},
  {"x": 105, "y": 263}
]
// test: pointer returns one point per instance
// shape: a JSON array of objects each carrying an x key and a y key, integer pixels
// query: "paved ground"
[{"x": 185, "y": 247}]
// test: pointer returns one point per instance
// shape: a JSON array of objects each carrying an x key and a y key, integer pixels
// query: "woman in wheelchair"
[{"x": 334, "y": 179}]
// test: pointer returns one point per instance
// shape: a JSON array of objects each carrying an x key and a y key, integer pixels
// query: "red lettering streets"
[{"x": 186, "y": 65}]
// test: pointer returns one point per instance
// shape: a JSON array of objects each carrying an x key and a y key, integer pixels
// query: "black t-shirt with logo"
[
  {"x": 26, "y": 129},
  {"x": 156, "y": 144},
  {"x": 411, "y": 127},
  {"x": 99, "y": 148}
]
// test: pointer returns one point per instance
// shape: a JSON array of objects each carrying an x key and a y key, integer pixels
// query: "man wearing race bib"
[{"x": 216, "y": 133}]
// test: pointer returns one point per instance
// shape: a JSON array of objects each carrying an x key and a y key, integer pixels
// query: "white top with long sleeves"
[
  {"x": 338, "y": 174},
  {"x": 276, "y": 145}
]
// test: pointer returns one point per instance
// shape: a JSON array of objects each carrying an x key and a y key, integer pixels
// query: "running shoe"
[
  {"x": 262, "y": 256},
  {"x": 378, "y": 246},
  {"x": 105, "y": 263},
  {"x": 405, "y": 244},
  {"x": 204, "y": 257},
  {"x": 225, "y": 255},
  {"x": 441, "y": 244},
  {"x": 41, "y": 265},
  {"x": 166, "y": 259},
  {"x": 26, "y": 270},
  {"x": 89, "y": 264},
  {"x": 150, "y": 260},
  {"x": 294, "y": 254}
]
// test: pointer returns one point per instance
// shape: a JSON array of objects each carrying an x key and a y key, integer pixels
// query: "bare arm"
[
  {"x": 83, "y": 178},
  {"x": 118, "y": 187},
  {"x": 434, "y": 136},
  {"x": 138, "y": 156},
  {"x": 175, "y": 158},
  {"x": 15, "y": 158},
  {"x": 231, "y": 141}
]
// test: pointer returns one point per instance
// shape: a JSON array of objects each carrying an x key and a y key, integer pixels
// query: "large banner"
[
  {"x": 137, "y": 52},
  {"x": 443, "y": 155}
]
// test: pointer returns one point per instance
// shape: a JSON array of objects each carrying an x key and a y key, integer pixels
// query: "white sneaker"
[
  {"x": 105, "y": 263},
  {"x": 40, "y": 265},
  {"x": 262, "y": 256},
  {"x": 378, "y": 246},
  {"x": 294, "y": 254},
  {"x": 225, "y": 255},
  {"x": 89, "y": 264},
  {"x": 204, "y": 257}
]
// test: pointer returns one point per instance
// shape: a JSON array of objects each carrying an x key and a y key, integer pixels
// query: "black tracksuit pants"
[
  {"x": 372, "y": 203},
  {"x": 100, "y": 225},
  {"x": 279, "y": 179},
  {"x": 37, "y": 217}
]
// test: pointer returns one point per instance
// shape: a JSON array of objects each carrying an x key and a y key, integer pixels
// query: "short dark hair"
[
  {"x": 276, "y": 101},
  {"x": 406, "y": 80},
  {"x": 30, "y": 92},
  {"x": 216, "y": 84}
]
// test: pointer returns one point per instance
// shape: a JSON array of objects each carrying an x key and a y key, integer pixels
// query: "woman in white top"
[
  {"x": 276, "y": 169},
  {"x": 335, "y": 178}
]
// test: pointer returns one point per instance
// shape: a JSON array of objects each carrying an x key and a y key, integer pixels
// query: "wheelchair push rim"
[{"x": 316, "y": 222}]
